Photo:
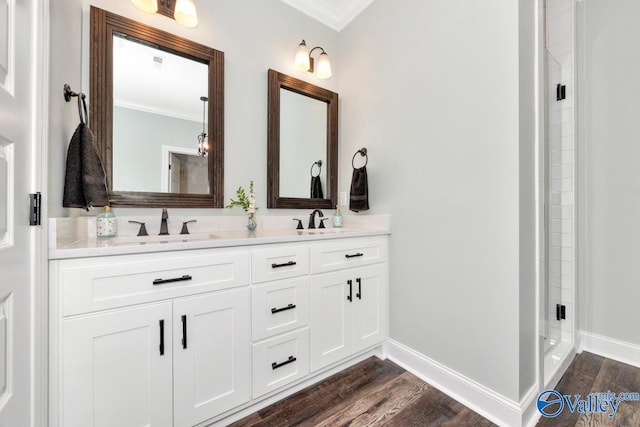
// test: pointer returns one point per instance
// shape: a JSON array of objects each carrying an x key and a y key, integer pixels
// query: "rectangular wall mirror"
[
  {"x": 154, "y": 97},
  {"x": 302, "y": 144}
]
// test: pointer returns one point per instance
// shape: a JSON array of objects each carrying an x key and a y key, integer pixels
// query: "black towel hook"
[
  {"x": 319, "y": 163},
  {"x": 363, "y": 153},
  {"x": 82, "y": 104}
]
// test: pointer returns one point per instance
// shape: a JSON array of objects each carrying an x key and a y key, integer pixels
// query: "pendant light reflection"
[
  {"x": 305, "y": 62},
  {"x": 183, "y": 11},
  {"x": 203, "y": 139}
]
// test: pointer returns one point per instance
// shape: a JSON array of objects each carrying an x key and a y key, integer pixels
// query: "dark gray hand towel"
[
  {"x": 85, "y": 181},
  {"x": 359, "y": 197},
  {"x": 316, "y": 188}
]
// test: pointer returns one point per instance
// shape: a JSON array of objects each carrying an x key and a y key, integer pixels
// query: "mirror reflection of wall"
[
  {"x": 303, "y": 141},
  {"x": 149, "y": 113}
]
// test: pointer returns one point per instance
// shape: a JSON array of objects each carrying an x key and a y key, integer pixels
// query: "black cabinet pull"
[
  {"x": 350, "y": 297},
  {"x": 359, "y": 282},
  {"x": 162, "y": 337},
  {"x": 275, "y": 365},
  {"x": 278, "y": 310},
  {"x": 184, "y": 278},
  {"x": 286, "y": 264},
  {"x": 356, "y": 255},
  {"x": 184, "y": 331}
]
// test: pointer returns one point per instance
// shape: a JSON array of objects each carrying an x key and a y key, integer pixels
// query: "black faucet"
[
  {"x": 312, "y": 218},
  {"x": 164, "y": 230}
]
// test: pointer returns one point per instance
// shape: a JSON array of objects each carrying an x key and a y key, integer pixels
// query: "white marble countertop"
[{"x": 73, "y": 237}]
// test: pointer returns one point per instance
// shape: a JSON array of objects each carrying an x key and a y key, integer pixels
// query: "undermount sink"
[{"x": 142, "y": 240}]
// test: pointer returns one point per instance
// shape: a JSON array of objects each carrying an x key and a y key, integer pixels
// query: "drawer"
[
  {"x": 347, "y": 254},
  {"x": 279, "y": 307},
  {"x": 92, "y": 284},
  {"x": 280, "y": 361},
  {"x": 279, "y": 262}
]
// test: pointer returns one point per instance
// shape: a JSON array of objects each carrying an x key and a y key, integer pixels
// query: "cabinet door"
[
  {"x": 369, "y": 315},
  {"x": 115, "y": 372},
  {"x": 212, "y": 348},
  {"x": 330, "y": 318}
]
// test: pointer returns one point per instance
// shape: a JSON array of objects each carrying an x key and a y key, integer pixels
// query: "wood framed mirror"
[
  {"x": 152, "y": 96},
  {"x": 302, "y": 144}
]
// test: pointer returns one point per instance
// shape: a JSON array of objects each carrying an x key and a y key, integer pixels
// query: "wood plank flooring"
[
  {"x": 371, "y": 393},
  {"x": 380, "y": 393},
  {"x": 590, "y": 373}
]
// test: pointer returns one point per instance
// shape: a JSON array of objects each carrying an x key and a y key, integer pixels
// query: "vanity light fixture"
[
  {"x": 203, "y": 139},
  {"x": 183, "y": 11},
  {"x": 305, "y": 62}
]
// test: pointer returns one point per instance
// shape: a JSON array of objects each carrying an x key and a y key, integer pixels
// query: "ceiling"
[{"x": 333, "y": 13}]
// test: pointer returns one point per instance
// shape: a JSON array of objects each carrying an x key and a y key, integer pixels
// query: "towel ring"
[
  {"x": 82, "y": 104},
  {"x": 363, "y": 153},
  {"x": 319, "y": 163}
]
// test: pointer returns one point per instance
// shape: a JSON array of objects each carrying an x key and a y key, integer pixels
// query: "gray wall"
[
  {"x": 431, "y": 88},
  {"x": 527, "y": 193},
  {"x": 254, "y": 34},
  {"x": 609, "y": 283}
]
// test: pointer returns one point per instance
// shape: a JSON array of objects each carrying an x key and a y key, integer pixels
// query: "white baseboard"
[
  {"x": 611, "y": 348},
  {"x": 486, "y": 402}
]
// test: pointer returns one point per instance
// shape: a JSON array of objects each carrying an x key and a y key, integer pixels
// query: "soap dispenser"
[
  {"x": 106, "y": 223},
  {"x": 337, "y": 218}
]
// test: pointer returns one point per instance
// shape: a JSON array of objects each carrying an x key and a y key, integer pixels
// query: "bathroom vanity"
[{"x": 209, "y": 328}]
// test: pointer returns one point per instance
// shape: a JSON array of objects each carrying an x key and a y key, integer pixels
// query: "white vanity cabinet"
[
  {"x": 151, "y": 339},
  {"x": 348, "y": 299},
  {"x": 189, "y": 337},
  {"x": 280, "y": 316}
]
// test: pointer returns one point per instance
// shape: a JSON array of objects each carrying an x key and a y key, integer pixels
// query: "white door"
[
  {"x": 332, "y": 296},
  {"x": 212, "y": 355},
  {"x": 16, "y": 260},
  {"x": 117, "y": 368},
  {"x": 368, "y": 311}
]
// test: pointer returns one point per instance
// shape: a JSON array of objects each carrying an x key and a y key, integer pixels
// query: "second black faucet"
[{"x": 312, "y": 217}]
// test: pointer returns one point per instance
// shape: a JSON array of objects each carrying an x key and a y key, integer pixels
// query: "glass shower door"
[{"x": 551, "y": 329}]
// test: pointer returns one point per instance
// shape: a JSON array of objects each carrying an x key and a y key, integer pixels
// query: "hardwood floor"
[
  {"x": 590, "y": 373},
  {"x": 371, "y": 393},
  {"x": 380, "y": 393}
]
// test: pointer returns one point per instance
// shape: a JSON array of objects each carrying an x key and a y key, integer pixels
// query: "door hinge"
[
  {"x": 561, "y": 92},
  {"x": 561, "y": 312},
  {"x": 35, "y": 208}
]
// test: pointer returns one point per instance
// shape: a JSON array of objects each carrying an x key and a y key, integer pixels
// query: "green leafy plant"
[{"x": 248, "y": 203}]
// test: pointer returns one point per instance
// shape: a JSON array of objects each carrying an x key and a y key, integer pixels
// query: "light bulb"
[
  {"x": 185, "y": 13},
  {"x": 301, "y": 61},
  {"x": 323, "y": 66},
  {"x": 149, "y": 6}
]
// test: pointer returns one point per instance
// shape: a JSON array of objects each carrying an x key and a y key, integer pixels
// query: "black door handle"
[
  {"x": 356, "y": 255},
  {"x": 184, "y": 331},
  {"x": 278, "y": 310},
  {"x": 359, "y": 282},
  {"x": 286, "y": 264},
  {"x": 184, "y": 278},
  {"x": 275, "y": 365},
  {"x": 162, "y": 337},
  {"x": 350, "y": 297}
]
